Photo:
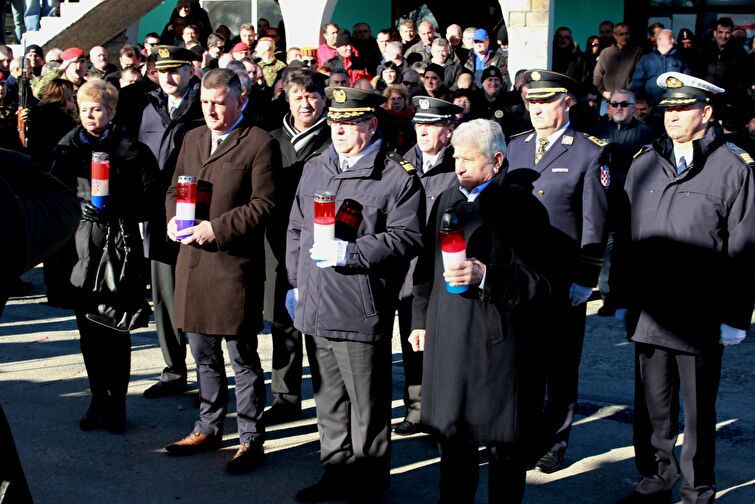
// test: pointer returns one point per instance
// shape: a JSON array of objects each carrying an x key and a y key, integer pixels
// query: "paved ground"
[{"x": 43, "y": 389}]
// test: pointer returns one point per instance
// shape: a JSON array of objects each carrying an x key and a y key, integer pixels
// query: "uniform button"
[{"x": 541, "y": 193}]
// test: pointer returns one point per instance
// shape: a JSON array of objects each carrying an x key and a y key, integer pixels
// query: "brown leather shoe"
[
  {"x": 247, "y": 457},
  {"x": 195, "y": 443}
]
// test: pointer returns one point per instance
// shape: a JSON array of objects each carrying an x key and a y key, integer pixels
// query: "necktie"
[
  {"x": 214, "y": 145},
  {"x": 344, "y": 165},
  {"x": 543, "y": 143},
  {"x": 172, "y": 111},
  {"x": 428, "y": 166},
  {"x": 681, "y": 166}
]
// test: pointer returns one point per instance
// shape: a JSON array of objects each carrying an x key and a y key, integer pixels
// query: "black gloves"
[{"x": 91, "y": 213}]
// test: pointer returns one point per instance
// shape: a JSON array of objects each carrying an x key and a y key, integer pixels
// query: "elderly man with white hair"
[{"x": 664, "y": 57}]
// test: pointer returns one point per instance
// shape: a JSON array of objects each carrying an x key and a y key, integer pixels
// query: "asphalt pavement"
[{"x": 44, "y": 392}]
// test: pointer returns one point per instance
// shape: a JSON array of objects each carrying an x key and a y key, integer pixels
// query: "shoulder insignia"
[
  {"x": 643, "y": 150},
  {"x": 406, "y": 165},
  {"x": 520, "y": 134},
  {"x": 596, "y": 141},
  {"x": 741, "y": 153}
]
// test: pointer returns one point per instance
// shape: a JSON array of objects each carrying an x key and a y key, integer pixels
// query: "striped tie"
[{"x": 543, "y": 143}]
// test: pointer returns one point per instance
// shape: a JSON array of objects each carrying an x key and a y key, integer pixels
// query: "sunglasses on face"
[
  {"x": 409, "y": 83},
  {"x": 623, "y": 104},
  {"x": 308, "y": 61}
]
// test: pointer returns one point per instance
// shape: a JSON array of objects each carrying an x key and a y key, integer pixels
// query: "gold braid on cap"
[{"x": 337, "y": 114}]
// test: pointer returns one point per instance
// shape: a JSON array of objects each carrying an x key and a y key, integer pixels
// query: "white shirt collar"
[
  {"x": 553, "y": 136},
  {"x": 228, "y": 131},
  {"x": 351, "y": 161}
]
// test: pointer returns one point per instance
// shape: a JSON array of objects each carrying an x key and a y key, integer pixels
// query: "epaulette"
[
  {"x": 520, "y": 134},
  {"x": 596, "y": 141},
  {"x": 741, "y": 153},
  {"x": 406, "y": 165},
  {"x": 643, "y": 150}
]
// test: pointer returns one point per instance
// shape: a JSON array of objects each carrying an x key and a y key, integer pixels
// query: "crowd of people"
[{"x": 411, "y": 137}]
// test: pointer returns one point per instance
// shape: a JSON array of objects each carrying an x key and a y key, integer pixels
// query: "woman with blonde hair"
[{"x": 107, "y": 306}]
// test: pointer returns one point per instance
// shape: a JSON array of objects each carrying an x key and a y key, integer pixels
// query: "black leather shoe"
[
  {"x": 280, "y": 414},
  {"x": 247, "y": 457},
  {"x": 406, "y": 428},
  {"x": 165, "y": 389},
  {"x": 551, "y": 461},
  {"x": 324, "y": 490},
  {"x": 91, "y": 420},
  {"x": 638, "y": 498}
]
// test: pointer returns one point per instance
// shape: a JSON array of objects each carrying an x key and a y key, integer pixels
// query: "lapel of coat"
[{"x": 225, "y": 146}]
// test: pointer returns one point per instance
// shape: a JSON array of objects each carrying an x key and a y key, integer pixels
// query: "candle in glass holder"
[
  {"x": 186, "y": 202},
  {"x": 100, "y": 179},
  {"x": 324, "y": 216}
]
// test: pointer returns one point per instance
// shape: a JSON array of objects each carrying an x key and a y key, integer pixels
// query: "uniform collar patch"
[{"x": 567, "y": 139}]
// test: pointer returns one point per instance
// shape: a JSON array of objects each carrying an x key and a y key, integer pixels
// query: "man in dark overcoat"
[
  {"x": 481, "y": 382},
  {"x": 573, "y": 187},
  {"x": 434, "y": 158},
  {"x": 171, "y": 111},
  {"x": 304, "y": 135},
  {"x": 221, "y": 266}
]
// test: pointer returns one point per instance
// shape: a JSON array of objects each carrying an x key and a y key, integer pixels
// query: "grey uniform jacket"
[{"x": 355, "y": 302}]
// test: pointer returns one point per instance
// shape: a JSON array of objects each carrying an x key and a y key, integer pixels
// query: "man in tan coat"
[{"x": 221, "y": 266}]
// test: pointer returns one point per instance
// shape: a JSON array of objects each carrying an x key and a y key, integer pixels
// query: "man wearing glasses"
[
  {"x": 411, "y": 81},
  {"x": 616, "y": 63},
  {"x": 567, "y": 57},
  {"x": 345, "y": 292}
]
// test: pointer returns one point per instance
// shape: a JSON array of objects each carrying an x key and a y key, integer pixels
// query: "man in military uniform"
[
  {"x": 434, "y": 158},
  {"x": 347, "y": 289},
  {"x": 573, "y": 183},
  {"x": 687, "y": 282},
  {"x": 171, "y": 111}
]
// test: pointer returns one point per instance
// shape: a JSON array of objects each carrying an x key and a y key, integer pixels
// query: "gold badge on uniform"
[
  {"x": 535, "y": 76},
  {"x": 673, "y": 83},
  {"x": 339, "y": 95},
  {"x": 567, "y": 139},
  {"x": 163, "y": 52}
]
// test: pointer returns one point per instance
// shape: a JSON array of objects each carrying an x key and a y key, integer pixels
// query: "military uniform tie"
[
  {"x": 542, "y": 144},
  {"x": 428, "y": 166},
  {"x": 344, "y": 165}
]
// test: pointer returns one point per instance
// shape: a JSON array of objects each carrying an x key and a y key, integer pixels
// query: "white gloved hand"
[
  {"x": 620, "y": 314},
  {"x": 292, "y": 297},
  {"x": 579, "y": 294},
  {"x": 732, "y": 335},
  {"x": 327, "y": 253}
]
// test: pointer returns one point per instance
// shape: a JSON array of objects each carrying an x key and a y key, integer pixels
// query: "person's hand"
[
  {"x": 469, "y": 272},
  {"x": 732, "y": 335},
  {"x": 579, "y": 294},
  {"x": 620, "y": 314},
  {"x": 327, "y": 253},
  {"x": 198, "y": 235},
  {"x": 417, "y": 340},
  {"x": 91, "y": 213},
  {"x": 23, "y": 113},
  {"x": 172, "y": 229},
  {"x": 292, "y": 297}
]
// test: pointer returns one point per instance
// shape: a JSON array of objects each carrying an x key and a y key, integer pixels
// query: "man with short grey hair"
[
  {"x": 442, "y": 55},
  {"x": 664, "y": 57},
  {"x": 421, "y": 50}
]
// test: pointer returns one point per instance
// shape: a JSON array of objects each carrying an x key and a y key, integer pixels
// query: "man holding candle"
[
  {"x": 221, "y": 268},
  {"x": 477, "y": 317},
  {"x": 344, "y": 294}
]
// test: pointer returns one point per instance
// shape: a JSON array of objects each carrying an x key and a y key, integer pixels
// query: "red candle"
[{"x": 324, "y": 216}]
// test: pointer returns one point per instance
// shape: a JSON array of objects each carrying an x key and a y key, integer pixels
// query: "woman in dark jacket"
[
  {"x": 480, "y": 382},
  {"x": 590, "y": 56},
  {"x": 106, "y": 348}
]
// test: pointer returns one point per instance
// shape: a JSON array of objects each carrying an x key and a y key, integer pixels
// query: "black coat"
[
  {"x": 480, "y": 381},
  {"x": 685, "y": 259},
  {"x": 310, "y": 143},
  {"x": 48, "y": 124},
  {"x": 134, "y": 195},
  {"x": 164, "y": 136}
]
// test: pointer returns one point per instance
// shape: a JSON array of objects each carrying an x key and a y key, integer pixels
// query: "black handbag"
[{"x": 119, "y": 284}]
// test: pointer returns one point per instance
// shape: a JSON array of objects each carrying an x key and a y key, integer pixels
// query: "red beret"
[
  {"x": 72, "y": 53},
  {"x": 240, "y": 47}
]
